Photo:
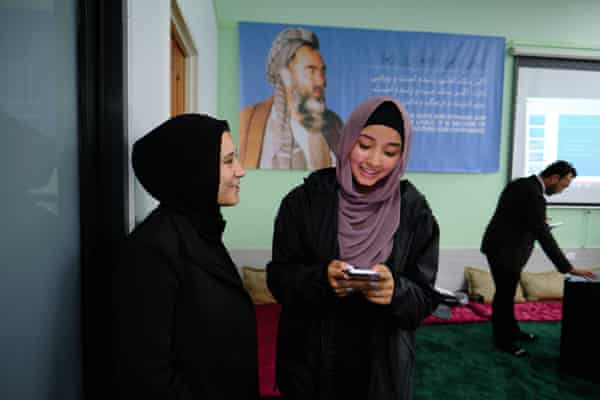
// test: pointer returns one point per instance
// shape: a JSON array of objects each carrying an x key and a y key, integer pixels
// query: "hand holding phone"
[{"x": 360, "y": 273}]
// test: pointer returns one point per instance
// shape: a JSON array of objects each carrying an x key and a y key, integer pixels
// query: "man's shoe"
[
  {"x": 526, "y": 337},
  {"x": 513, "y": 349}
]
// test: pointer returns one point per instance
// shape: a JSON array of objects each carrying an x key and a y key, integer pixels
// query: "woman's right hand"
[
  {"x": 341, "y": 283},
  {"x": 338, "y": 279}
]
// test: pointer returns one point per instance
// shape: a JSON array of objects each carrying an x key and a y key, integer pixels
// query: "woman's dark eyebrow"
[
  {"x": 387, "y": 144},
  {"x": 367, "y": 136}
]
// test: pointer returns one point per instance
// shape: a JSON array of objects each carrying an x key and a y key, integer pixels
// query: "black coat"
[
  {"x": 185, "y": 326},
  {"x": 305, "y": 241},
  {"x": 519, "y": 220}
]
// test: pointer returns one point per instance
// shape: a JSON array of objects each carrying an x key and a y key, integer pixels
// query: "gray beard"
[{"x": 312, "y": 112}]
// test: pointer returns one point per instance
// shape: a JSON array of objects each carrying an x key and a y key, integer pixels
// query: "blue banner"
[{"x": 450, "y": 84}]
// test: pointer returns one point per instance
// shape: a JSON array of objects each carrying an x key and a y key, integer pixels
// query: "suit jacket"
[
  {"x": 253, "y": 123},
  {"x": 185, "y": 327},
  {"x": 519, "y": 220}
]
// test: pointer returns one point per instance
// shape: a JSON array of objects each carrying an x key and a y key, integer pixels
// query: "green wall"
[{"x": 463, "y": 203}]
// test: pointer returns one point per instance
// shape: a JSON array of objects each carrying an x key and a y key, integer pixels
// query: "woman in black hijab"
[{"x": 185, "y": 326}]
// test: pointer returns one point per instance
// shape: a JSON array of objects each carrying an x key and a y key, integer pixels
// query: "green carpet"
[{"x": 458, "y": 361}]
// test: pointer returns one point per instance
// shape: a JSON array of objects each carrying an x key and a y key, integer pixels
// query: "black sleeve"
[
  {"x": 536, "y": 221},
  {"x": 293, "y": 280},
  {"x": 414, "y": 296},
  {"x": 144, "y": 294}
]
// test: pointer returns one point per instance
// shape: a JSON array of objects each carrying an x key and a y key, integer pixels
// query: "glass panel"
[{"x": 39, "y": 201}]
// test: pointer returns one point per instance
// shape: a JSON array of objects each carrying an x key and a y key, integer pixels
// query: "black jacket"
[
  {"x": 186, "y": 328},
  {"x": 519, "y": 220},
  {"x": 305, "y": 241}
]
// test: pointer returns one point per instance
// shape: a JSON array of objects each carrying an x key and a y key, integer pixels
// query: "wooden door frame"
[
  {"x": 191, "y": 60},
  {"x": 175, "y": 40}
]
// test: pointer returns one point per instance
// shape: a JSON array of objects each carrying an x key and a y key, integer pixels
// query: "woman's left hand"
[{"x": 381, "y": 290}]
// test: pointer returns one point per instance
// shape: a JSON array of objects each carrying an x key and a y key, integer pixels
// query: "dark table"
[{"x": 580, "y": 329}]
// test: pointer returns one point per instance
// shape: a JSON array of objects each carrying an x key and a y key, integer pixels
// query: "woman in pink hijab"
[{"x": 344, "y": 335}]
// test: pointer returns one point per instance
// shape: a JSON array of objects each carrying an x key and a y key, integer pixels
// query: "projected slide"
[
  {"x": 557, "y": 117},
  {"x": 563, "y": 129}
]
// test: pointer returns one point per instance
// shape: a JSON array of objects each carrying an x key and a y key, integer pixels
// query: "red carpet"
[
  {"x": 267, "y": 316},
  {"x": 528, "y": 311},
  {"x": 460, "y": 315}
]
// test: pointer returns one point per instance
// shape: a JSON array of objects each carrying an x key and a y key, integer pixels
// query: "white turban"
[{"x": 285, "y": 46}]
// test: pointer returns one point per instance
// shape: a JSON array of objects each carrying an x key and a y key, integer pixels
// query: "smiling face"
[
  {"x": 231, "y": 173},
  {"x": 374, "y": 156}
]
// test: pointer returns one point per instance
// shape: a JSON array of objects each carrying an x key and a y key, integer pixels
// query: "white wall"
[{"x": 148, "y": 73}]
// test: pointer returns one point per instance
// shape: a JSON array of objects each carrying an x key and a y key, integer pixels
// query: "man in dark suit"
[{"x": 519, "y": 220}]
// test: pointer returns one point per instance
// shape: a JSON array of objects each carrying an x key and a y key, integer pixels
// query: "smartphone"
[{"x": 354, "y": 272}]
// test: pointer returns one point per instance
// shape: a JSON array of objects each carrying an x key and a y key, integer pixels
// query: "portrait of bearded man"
[{"x": 293, "y": 129}]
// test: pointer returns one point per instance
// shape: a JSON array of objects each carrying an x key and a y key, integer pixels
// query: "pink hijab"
[{"x": 367, "y": 222}]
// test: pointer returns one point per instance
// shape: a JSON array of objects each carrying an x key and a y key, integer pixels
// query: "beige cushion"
[
  {"x": 255, "y": 281},
  {"x": 547, "y": 285},
  {"x": 540, "y": 286},
  {"x": 481, "y": 285}
]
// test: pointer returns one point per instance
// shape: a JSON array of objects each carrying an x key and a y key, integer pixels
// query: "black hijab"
[
  {"x": 387, "y": 114},
  {"x": 178, "y": 163}
]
